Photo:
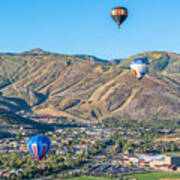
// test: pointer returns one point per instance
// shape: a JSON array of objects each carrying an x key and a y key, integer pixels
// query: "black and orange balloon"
[{"x": 119, "y": 15}]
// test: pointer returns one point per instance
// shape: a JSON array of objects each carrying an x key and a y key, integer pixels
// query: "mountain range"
[{"x": 88, "y": 88}]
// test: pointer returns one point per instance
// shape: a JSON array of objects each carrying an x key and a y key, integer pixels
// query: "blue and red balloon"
[{"x": 39, "y": 146}]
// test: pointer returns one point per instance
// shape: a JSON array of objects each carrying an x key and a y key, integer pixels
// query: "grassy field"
[
  {"x": 89, "y": 178},
  {"x": 148, "y": 176},
  {"x": 153, "y": 176},
  {"x": 172, "y": 154}
]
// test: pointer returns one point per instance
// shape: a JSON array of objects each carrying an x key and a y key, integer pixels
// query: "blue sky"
[{"x": 85, "y": 26}]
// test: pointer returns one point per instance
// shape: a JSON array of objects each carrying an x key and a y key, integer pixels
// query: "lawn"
[
  {"x": 89, "y": 178},
  {"x": 146, "y": 176},
  {"x": 172, "y": 154},
  {"x": 153, "y": 176}
]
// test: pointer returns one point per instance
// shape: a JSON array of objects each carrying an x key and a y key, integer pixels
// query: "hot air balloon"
[
  {"x": 139, "y": 67},
  {"x": 39, "y": 146},
  {"x": 119, "y": 15}
]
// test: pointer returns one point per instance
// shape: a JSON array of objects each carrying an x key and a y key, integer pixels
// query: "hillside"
[
  {"x": 12, "y": 123},
  {"x": 87, "y": 88}
]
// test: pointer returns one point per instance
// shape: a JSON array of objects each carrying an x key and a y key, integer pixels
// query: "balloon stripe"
[
  {"x": 122, "y": 12},
  {"x": 135, "y": 72},
  {"x": 35, "y": 151},
  {"x": 43, "y": 151}
]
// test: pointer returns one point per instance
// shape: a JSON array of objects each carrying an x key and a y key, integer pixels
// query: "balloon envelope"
[
  {"x": 119, "y": 15},
  {"x": 139, "y": 67},
  {"x": 39, "y": 146}
]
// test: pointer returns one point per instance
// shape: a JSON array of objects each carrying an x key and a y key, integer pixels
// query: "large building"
[
  {"x": 167, "y": 163},
  {"x": 173, "y": 160}
]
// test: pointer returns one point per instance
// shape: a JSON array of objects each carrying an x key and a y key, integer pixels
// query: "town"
[{"x": 90, "y": 149}]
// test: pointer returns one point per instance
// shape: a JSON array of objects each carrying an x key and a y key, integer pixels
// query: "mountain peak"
[{"x": 35, "y": 51}]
